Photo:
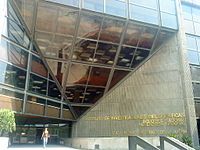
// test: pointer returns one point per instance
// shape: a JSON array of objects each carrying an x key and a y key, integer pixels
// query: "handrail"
[
  {"x": 133, "y": 141},
  {"x": 174, "y": 142}
]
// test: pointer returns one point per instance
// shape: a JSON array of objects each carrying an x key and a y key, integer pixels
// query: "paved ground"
[{"x": 39, "y": 147}]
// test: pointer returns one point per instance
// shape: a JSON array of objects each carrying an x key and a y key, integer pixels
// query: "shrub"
[{"x": 7, "y": 122}]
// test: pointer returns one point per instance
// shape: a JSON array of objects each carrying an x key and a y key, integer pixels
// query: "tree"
[{"x": 7, "y": 121}]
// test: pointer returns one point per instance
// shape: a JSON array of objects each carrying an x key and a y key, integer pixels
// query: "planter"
[{"x": 4, "y": 141}]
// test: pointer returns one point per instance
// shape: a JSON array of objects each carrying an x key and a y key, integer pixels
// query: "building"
[{"x": 101, "y": 68}]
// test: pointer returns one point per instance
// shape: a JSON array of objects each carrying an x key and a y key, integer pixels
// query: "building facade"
[{"x": 101, "y": 68}]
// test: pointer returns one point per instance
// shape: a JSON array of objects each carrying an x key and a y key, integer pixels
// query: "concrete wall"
[{"x": 155, "y": 88}]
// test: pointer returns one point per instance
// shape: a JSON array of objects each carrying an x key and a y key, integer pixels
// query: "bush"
[{"x": 7, "y": 122}]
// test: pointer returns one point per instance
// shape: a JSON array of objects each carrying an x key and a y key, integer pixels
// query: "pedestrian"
[{"x": 45, "y": 136}]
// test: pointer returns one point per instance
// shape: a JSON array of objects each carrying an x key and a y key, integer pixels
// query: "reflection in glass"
[
  {"x": 111, "y": 30},
  {"x": 132, "y": 34},
  {"x": 53, "y": 109},
  {"x": 11, "y": 100},
  {"x": 53, "y": 90},
  {"x": 196, "y": 89},
  {"x": 197, "y": 109},
  {"x": 66, "y": 20},
  {"x": 147, "y": 37},
  {"x": 195, "y": 73},
  {"x": 35, "y": 105},
  {"x": 193, "y": 57},
  {"x": 93, "y": 94},
  {"x": 105, "y": 53},
  {"x": 117, "y": 77},
  {"x": 126, "y": 56},
  {"x": 144, "y": 14},
  {"x": 89, "y": 26},
  {"x": 38, "y": 84},
  {"x": 197, "y": 28},
  {"x": 169, "y": 20},
  {"x": 66, "y": 2},
  {"x": 139, "y": 56},
  {"x": 46, "y": 17},
  {"x": 115, "y": 7},
  {"x": 84, "y": 50},
  {"x": 79, "y": 110},
  {"x": 26, "y": 9},
  {"x": 191, "y": 42},
  {"x": 150, "y": 3},
  {"x": 198, "y": 43},
  {"x": 38, "y": 67},
  {"x": 187, "y": 12},
  {"x": 196, "y": 14},
  {"x": 98, "y": 76},
  {"x": 96, "y": 5},
  {"x": 78, "y": 74},
  {"x": 59, "y": 69},
  {"x": 75, "y": 93},
  {"x": 13, "y": 54},
  {"x": 189, "y": 27},
  {"x": 168, "y": 6},
  {"x": 12, "y": 75}
]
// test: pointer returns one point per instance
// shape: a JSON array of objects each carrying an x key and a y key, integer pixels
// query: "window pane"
[
  {"x": 144, "y": 14},
  {"x": 111, "y": 30},
  {"x": 75, "y": 93},
  {"x": 12, "y": 75},
  {"x": 193, "y": 57},
  {"x": 169, "y": 20},
  {"x": 38, "y": 84},
  {"x": 53, "y": 90},
  {"x": 168, "y": 6},
  {"x": 92, "y": 94},
  {"x": 195, "y": 72},
  {"x": 89, "y": 26},
  {"x": 196, "y": 89},
  {"x": 191, "y": 42},
  {"x": 198, "y": 43},
  {"x": 66, "y": 2},
  {"x": 189, "y": 27},
  {"x": 13, "y": 54},
  {"x": 196, "y": 14},
  {"x": 146, "y": 3},
  {"x": 115, "y": 7},
  {"x": 38, "y": 66},
  {"x": 96, "y": 5},
  {"x": 187, "y": 12},
  {"x": 197, "y": 28}
]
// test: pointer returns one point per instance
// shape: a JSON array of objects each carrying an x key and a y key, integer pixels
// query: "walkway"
[{"x": 39, "y": 147}]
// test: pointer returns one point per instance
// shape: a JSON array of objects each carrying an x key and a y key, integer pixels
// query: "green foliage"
[
  {"x": 183, "y": 138},
  {"x": 7, "y": 121}
]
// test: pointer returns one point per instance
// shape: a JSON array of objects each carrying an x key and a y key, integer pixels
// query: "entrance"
[{"x": 38, "y": 139}]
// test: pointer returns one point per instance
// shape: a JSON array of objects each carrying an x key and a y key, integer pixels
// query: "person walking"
[{"x": 45, "y": 136}]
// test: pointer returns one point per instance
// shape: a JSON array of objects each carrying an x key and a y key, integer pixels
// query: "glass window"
[
  {"x": 38, "y": 84},
  {"x": 196, "y": 89},
  {"x": 89, "y": 26},
  {"x": 187, "y": 12},
  {"x": 132, "y": 34},
  {"x": 189, "y": 27},
  {"x": 196, "y": 14},
  {"x": 78, "y": 74},
  {"x": 197, "y": 28},
  {"x": 13, "y": 54},
  {"x": 111, "y": 30},
  {"x": 96, "y": 5},
  {"x": 144, "y": 14},
  {"x": 79, "y": 110},
  {"x": 126, "y": 56},
  {"x": 116, "y": 8},
  {"x": 168, "y": 6},
  {"x": 66, "y": 2},
  {"x": 147, "y": 37},
  {"x": 99, "y": 76},
  {"x": 11, "y": 93},
  {"x": 195, "y": 72},
  {"x": 146, "y": 3},
  {"x": 12, "y": 75},
  {"x": 191, "y": 42},
  {"x": 198, "y": 43},
  {"x": 38, "y": 67},
  {"x": 193, "y": 57},
  {"x": 84, "y": 50},
  {"x": 92, "y": 94},
  {"x": 17, "y": 34},
  {"x": 53, "y": 90},
  {"x": 75, "y": 93},
  {"x": 105, "y": 53},
  {"x": 169, "y": 20},
  {"x": 139, "y": 57},
  {"x": 118, "y": 76}
]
